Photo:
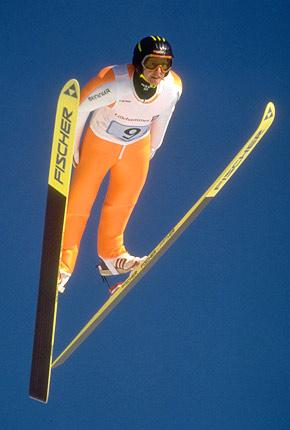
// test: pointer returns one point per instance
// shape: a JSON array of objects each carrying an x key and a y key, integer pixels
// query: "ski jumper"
[{"x": 124, "y": 132}]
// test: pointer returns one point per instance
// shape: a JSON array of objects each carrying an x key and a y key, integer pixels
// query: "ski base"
[{"x": 58, "y": 187}]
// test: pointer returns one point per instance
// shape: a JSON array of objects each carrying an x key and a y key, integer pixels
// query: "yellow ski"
[
  {"x": 172, "y": 236},
  {"x": 58, "y": 188}
]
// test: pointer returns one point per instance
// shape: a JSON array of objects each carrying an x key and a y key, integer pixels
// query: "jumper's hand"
[{"x": 76, "y": 158}]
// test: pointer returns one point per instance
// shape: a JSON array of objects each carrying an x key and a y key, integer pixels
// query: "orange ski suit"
[{"x": 116, "y": 143}]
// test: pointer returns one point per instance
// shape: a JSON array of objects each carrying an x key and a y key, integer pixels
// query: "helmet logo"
[{"x": 160, "y": 52}]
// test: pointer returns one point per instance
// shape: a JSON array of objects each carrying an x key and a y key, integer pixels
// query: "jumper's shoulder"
[
  {"x": 173, "y": 86},
  {"x": 104, "y": 77},
  {"x": 177, "y": 80}
]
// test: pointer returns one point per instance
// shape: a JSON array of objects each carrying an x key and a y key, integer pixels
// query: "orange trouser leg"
[
  {"x": 95, "y": 161},
  {"x": 127, "y": 178},
  {"x": 97, "y": 158}
]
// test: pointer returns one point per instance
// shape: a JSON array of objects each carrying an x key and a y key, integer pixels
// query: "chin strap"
[
  {"x": 143, "y": 88},
  {"x": 143, "y": 77}
]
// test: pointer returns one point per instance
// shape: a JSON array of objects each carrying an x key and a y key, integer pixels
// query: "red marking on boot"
[{"x": 115, "y": 287}]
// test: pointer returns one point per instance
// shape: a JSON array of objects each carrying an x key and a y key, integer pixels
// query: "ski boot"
[
  {"x": 124, "y": 263},
  {"x": 63, "y": 278}
]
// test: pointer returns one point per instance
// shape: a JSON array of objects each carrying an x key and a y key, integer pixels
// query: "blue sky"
[{"x": 203, "y": 341}]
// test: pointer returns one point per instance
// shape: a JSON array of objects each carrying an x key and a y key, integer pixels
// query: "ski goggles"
[{"x": 152, "y": 62}]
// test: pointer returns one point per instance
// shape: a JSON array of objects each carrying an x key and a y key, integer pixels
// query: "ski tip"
[
  {"x": 269, "y": 113},
  {"x": 72, "y": 89},
  {"x": 271, "y": 105}
]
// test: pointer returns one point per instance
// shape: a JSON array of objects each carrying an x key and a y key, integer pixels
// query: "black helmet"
[{"x": 150, "y": 45}]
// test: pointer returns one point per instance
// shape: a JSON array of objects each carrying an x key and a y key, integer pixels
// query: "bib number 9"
[
  {"x": 125, "y": 133},
  {"x": 129, "y": 133}
]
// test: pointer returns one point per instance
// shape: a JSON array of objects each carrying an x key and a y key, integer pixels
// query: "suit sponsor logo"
[
  {"x": 125, "y": 118},
  {"x": 99, "y": 95},
  {"x": 155, "y": 117}
]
